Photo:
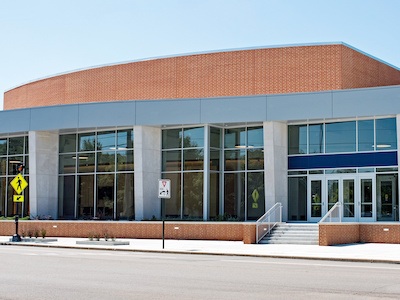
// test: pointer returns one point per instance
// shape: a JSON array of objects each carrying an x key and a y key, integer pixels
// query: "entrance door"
[
  {"x": 355, "y": 193},
  {"x": 366, "y": 202},
  {"x": 347, "y": 198},
  {"x": 316, "y": 207},
  {"x": 386, "y": 194}
]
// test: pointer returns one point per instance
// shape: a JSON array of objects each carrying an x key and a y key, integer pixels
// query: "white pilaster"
[
  {"x": 275, "y": 166},
  {"x": 147, "y": 172},
  {"x": 43, "y": 173}
]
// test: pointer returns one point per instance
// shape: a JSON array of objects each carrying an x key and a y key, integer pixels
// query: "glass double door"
[{"x": 356, "y": 194}]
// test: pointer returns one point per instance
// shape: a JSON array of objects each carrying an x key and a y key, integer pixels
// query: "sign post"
[
  {"x": 164, "y": 192},
  {"x": 19, "y": 184}
]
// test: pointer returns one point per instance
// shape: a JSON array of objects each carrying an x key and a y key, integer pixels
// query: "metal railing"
[
  {"x": 333, "y": 215},
  {"x": 268, "y": 221}
]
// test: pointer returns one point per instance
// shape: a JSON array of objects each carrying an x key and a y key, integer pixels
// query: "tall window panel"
[
  {"x": 96, "y": 173},
  {"x": 183, "y": 164},
  {"x": 13, "y": 152},
  {"x": 244, "y": 195}
]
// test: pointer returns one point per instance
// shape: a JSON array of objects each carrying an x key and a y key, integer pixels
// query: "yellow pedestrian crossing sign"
[
  {"x": 18, "y": 198},
  {"x": 19, "y": 183}
]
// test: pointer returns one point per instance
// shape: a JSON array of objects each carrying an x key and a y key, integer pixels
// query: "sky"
[{"x": 41, "y": 38}]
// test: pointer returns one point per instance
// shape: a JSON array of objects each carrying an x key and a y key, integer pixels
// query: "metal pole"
[
  {"x": 16, "y": 237},
  {"x": 163, "y": 221}
]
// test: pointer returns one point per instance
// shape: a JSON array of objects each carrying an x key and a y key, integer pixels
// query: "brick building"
[{"x": 235, "y": 131}]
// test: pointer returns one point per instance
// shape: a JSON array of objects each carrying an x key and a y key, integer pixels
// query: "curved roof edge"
[{"x": 200, "y": 53}]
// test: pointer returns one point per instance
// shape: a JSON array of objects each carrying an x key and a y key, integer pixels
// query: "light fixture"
[{"x": 80, "y": 157}]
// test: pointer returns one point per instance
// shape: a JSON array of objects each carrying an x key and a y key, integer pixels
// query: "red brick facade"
[{"x": 232, "y": 73}]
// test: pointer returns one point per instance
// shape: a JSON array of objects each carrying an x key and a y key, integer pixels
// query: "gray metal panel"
[
  {"x": 107, "y": 114},
  {"x": 235, "y": 109},
  {"x": 168, "y": 112},
  {"x": 55, "y": 117},
  {"x": 299, "y": 106},
  {"x": 15, "y": 120},
  {"x": 366, "y": 102}
]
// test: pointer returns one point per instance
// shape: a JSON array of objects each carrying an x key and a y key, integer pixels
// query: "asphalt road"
[{"x": 53, "y": 273}]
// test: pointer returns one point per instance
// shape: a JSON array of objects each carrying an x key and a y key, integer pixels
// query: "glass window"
[
  {"x": 386, "y": 136},
  {"x": 298, "y": 139},
  {"x": 297, "y": 198},
  {"x": 255, "y": 159},
  {"x": 85, "y": 196},
  {"x": 3, "y": 185},
  {"x": 106, "y": 161},
  {"x": 255, "y": 137},
  {"x": 105, "y": 197},
  {"x": 234, "y": 192},
  {"x": 13, "y": 163},
  {"x": 173, "y": 205},
  {"x": 125, "y": 139},
  {"x": 125, "y": 160},
  {"x": 214, "y": 195},
  {"x": 67, "y": 163},
  {"x": 235, "y": 138},
  {"x": 235, "y": 160},
  {"x": 215, "y": 158},
  {"x": 255, "y": 195},
  {"x": 3, "y": 166},
  {"x": 3, "y": 147},
  {"x": 193, "y": 159},
  {"x": 67, "y": 143},
  {"x": 215, "y": 137},
  {"x": 340, "y": 137},
  {"x": 316, "y": 138},
  {"x": 171, "y": 138},
  {"x": 366, "y": 135},
  {"x": 193, "y": 195},
  {"x": 66, "y": 191},
  {"x": 106, "y": 140},
  {"x": 86, "y": 162},
  {"x": 193, "y": 137},
  {"x": 172, "y": 160},
  {"x": 87, "y": 141},
  {"x": 16, "y": 145},
  {"x": 125, "y": 196}
]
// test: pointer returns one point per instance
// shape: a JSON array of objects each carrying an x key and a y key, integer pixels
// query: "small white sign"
[{"x": 164, "y": 188}]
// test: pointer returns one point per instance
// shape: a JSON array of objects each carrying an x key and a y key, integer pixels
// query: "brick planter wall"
[
  {"x": 228, "y": 231},
  {"x": 345, "y": 233},
  {"x": 380, "y": 233},
  {"x": 338, "y": 233}
]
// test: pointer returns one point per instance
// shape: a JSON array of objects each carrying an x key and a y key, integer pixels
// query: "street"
[{"x": 55, "y": 273}]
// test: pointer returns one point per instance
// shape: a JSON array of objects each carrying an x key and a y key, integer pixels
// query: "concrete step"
[{"x": 289, "y": 233}]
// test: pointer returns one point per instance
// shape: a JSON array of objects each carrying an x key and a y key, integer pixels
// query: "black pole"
[
  {"x": 163, "y": 221},
  {"x": 16, "y": 237}
]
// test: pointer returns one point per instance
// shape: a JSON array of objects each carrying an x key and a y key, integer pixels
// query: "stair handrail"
[
  {"x": 268, "y": 221},
  {"x": 328, "y": 216}
]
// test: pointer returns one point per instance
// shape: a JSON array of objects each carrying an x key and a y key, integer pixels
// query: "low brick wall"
[
  {"x": 227, "y": 231},
  {"x": 380, "y": 233},
  {"x": 346, "y": 233},
  {"x": 338, "y": 233}
]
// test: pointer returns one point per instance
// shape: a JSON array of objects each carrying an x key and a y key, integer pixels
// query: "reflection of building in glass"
[{"x": 235, "y": 132}]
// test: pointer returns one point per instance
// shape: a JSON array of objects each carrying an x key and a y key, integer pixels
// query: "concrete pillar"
[
  {"x": 43, "y": 173},
  {"x": 275, "y": 165},
  {"x": 147, "y": 172}
]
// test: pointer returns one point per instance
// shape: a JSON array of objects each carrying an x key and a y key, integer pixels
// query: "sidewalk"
[{"x": 388, "y": 253}]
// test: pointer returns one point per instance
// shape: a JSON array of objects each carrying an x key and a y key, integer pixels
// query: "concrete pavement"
[{"x": 388, "y": 253}]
